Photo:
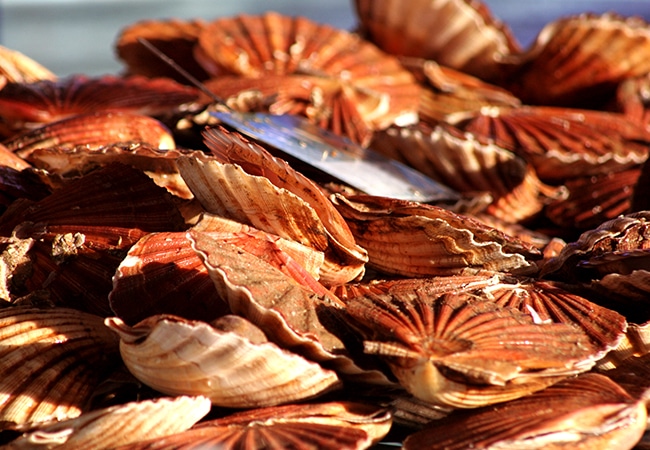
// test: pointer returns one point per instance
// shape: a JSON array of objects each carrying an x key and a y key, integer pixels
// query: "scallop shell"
[
  {"x": 181, "y": 357},
  {"x": 174, "y": 37},
  {"x": 560, "y": 143},
  {"x": 595, "y": 199},
  {"x": 83, "y": 230},
  {"x": 293, "y": 316},
  {"x": 589, "y": 411},
  {"x": 52, "y": 360},
  {"x": 11, "y": 160},
  {"x": 327, "y": 426},
  {"x": 461, "y": 162},
  {"x": 362, "y": 81},
  {"x": 16, "y": 67},
  {"x": 118, "y": 425},
  {"x": 28, "y": 105},
  {"x": 464, "y": 352},
  {"x": 94, "y": 129},
  {"x": 413, "y": 239},
  {"x": 624, "y": 275},
  {"x": 466, "y": 38},
  {"x": 580, "y": 60},
  {"x": 158, "y": 164}
]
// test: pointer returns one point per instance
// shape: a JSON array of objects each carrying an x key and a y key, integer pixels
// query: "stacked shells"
[{"x": 167, "y": 279}]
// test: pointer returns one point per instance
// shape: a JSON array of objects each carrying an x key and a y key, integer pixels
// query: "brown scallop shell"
[
  {"x": 623, "y": 274},
  {"x": 594, "y": 199},
  {"x": 174, "y": 37},
  {"x": 293, "y": 316},
  {"x": 29, "y": 105},
  {"x": 467, "y": 165},
  {"x": 327, "y": 426},
  {"x": 586, "y": 412},
  {"x": 560, "y": 143},
  {"x": 118, "y": 425},
  {"x": 356, "y": 78},
  {"x": 15, "y": 67},
  {"x": 159, "y": 164},
  {"x": 83, "y": 230},
  {"x": 413, "y": 239},
  {"x": 580, "y": 60},
  {"x": 461, "y": 34},
  {"x": 52, "y": 360},
  {"x": 464, "y": 352},
  {"x": 180, "y": 357},
  {"x": 10, "y": 159},
  {"x": 94, "y": 129}
]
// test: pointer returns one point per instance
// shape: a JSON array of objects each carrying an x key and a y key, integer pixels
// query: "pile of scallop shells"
[{"x": 168, "y": 283}]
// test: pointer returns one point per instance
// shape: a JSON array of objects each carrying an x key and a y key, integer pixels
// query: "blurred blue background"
[{"x": 77, "y": 36}]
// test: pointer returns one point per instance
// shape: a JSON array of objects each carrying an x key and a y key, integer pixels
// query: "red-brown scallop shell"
[
  {"x": 587, "y": 412},
  {"x": 461, "y": 34}
]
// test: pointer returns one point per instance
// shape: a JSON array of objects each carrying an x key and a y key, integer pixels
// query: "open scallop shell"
[
  {"x": 118, "y": 425},
  {"x": 461, "y": 351},
  {"x": 327, "y": 426},
  {"x": 461, "y": 34},
  {"x": 29, "y": 105},
  {"x": 354, "y": 78},
  {"x": 181, "y": 357},
  {"x": 52, "y": 360},
  {"x": 560, "y": 143},
  {"x": 589, "y": 411},
  {"x": 83, "y": 230},
  {"x": 580, "y": 60},
  {"x": 94, "y": 129},
  {"x": 413, "y": 239}
]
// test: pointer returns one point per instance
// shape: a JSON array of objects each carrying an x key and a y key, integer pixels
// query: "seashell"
[
  {"x": 181, "y": 357},
  {"x": 632, "y": 373},
  {"x": 640, "y": 201},
  {"x": 83, "y": 230},
  {"x": 341, "y": 248},
  {"x": 354, "y": 78},
  {"x": 547, "y": 302},
  {"x": 464, "y": 352},
  {"x": 580, "y": 60},
  {"x": 295, "y": 317},
  {"x": 632, "y": 99},
  {"x": 412, "y": 239},
  {"x": 94, "y": 129},
  {"x": 16, "y": 67},
  {"x": 118, "y": 425},
  {"x": 158, "y": 164},
  {"x": 25, "y": 184},
  {"x": 467, "y": 38},
  {"x": 25, "y": 106},
  {"x": 52, "y": 360},
  {"x": 594, "y": 199},
  {"x": 174, "y": 37},
  {"x": 560, "y": 143},
  {"x": 461, "y": 162},
  {"x": 589, "y": 411},
  {"x": 11, "y": 160},
  {"x": 327, "y": 426},
  {"x": 624, "y": 275}
]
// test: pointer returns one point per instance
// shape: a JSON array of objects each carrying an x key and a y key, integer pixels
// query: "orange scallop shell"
[{"x": 15, "y": 67}]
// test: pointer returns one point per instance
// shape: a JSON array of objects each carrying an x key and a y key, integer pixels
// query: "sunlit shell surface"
[
  {"x": 414, "y": 239},
  {"x": 293, "y": 316},
  {"x": 181, "y": 357},
  {"x": 327, "y": 426},
  {"x": 118, "y": 425},
  {"x": 94, "y": 129},
  {"x": 353, "y": 78},
  {"x": 467, "y": 165},
  {"x": 560, "y": 143},
  {"x": 587, "y": 412},
  {"x": 75, "y": 254},
  {"x": 580, "y": 60},
  {"x": 52, "y": 361},
  {"x": 462, "y": 351},
  {"x": 174, "y": 37},
  {"x": 624, "y": 274},
  {"x": 461, "y": 34},
  {"x": 16, "y": 67},
  {"x": 74, "y": 161},
  {"x": 28, "y": 105}
]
